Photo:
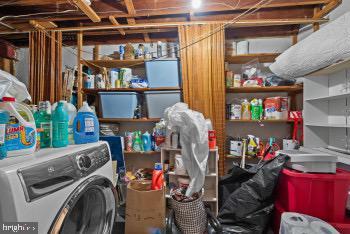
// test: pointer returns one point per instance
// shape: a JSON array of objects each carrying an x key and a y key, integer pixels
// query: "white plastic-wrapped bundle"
[
  {"x": 322, "y": 48},
  {"x": 295, "y": 223}
]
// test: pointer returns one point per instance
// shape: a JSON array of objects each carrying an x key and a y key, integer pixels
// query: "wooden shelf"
[
  {"x": 260, "y": 121},
  {"x": 271, "y": 89},
  {"x": 115, "y": 63},
  {"x": 106, "y": 120},
  {"x": 141, "y": 153},
  {"x": 245, "y": 58},
  {"x": 139, "y": 90}
]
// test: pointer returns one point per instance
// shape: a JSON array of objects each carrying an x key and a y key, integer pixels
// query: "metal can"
[
  {"x": 121, "y": 52},
  {"x": 128, "y": 141}
]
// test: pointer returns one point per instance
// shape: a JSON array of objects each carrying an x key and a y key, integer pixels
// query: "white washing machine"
[{"x": 66, "y": 190}]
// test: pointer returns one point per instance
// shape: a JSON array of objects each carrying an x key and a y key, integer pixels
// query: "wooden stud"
[
  {"x": 115, "y": 22},
  {"x": 146, "y": 38},
  {"x": 96, "y": 52},
  {"x": 294, "y": 39},
  {"x": 89, "y": 12},
  {"x": 80, "y": 67}
]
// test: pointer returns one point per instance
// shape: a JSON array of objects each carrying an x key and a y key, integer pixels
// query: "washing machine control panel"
[
  {"x": 92, "y": 159},
  {"x": 45, "y": 178}
]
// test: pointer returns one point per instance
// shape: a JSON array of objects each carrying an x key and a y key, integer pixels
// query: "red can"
[{"x": 212, "y": 139}]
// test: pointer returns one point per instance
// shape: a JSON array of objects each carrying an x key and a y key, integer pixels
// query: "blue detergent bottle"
[
  {"x": 86, "y": 127},
  {"x": 4, "y": 118},
  {"x": 147, "y": 142}
]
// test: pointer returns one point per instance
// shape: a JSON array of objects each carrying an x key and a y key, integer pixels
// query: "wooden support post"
[
  {"x": 115, "y": 22},
  {"x": 131, "y": 11},
  {"x": 146, "y": 38},
  {"x": 80, "y": 67},
  {"x": 295, "y": 39},
  {"x": 88, "y": 11},
  {"x": 96, "y": 53}
]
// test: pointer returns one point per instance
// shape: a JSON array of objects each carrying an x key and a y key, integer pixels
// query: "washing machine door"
[{"x": 90, "y": 208}]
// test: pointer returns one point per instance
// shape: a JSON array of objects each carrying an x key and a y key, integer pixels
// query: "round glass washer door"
[{"x": 90, "y": 209}]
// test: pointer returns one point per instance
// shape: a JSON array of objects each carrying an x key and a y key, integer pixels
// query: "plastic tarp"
[
  {"x": 322, "y": 48},
  {"x": 11, "y": 86},
  {"x": 193, "y": 131},
  {"x": 247, "y": 196}
]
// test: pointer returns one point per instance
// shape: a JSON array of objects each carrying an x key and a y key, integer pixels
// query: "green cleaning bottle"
[
  {"x": 43, "y": 122},
  {"x": 60, "y": 122}
]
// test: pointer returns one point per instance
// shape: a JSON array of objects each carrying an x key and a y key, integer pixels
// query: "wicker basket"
[{"x": 190, "y": 217}]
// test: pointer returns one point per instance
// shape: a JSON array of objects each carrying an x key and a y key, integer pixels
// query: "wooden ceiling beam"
[
  {"x": 88, "y": 11},
  {"x": 132, "y": 31},
  {"x": 130, "y": 10},
  {"x": 115, "y": 22},
  {"x": 244, "y": 5},
  {"x": 327, "y": 8}
]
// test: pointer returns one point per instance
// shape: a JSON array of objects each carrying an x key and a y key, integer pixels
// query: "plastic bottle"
[
  {"x": 60, "y": 121},
  {"x": 43, "y": 122},
  {"x": 20, "y": 129},
  {"x": 86, "y": 128},
  {"x": 147, "y": 142},
  {"x": 246, "y": 110},
  {"x": 255, "y": 109},
  {"x": 261, "y": 109},
  {"x": 157, "y": 177},
  {"x": 72, "y": 112},
  {"x": 137, "y": 143},
  {"x": 4, "y": 118}
]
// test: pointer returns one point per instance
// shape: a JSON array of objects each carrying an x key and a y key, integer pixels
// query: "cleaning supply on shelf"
[
  {"x": 147, "y": 142},
  {"x": 20, "y": 129},
  {"x": 4, "y": 118},
  {"x": 235, "y": 111},
  {"x": 60, "y": 122},
  {"x": 246, "y": 115},
  {"x": 255, "y": 109},
  {"x": 261, "y": 109},
  {"x": 43, "y": 122},
  {"x": 114, "y": 75},
  {"x": 157, "y": 177},
  {"x": 128, "y": 141},
  {"x": 137, "y": 143},
  {"x": 85, "y": 126}
]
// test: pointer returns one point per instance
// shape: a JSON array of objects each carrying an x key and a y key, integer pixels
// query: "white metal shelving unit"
[
  {"x": 211, "y": 179},
  {"x": 327, "y": 110}
]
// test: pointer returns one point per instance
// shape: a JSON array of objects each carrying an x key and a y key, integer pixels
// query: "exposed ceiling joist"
[
  {"x": 238, "y": 24},
  {"x": 186, "y": 9},
  {"x": 115, "y": 22},
  {"x": 327, "y": 8},
  {"x": 130, "y": 10},
  {"x": 43, "y": 24},
  {"x": 88, "y": 11}
]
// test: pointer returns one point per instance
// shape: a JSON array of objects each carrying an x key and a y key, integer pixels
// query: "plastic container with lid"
[
  {"x": 20, "y": 129},
  {"x": 320, "y": 195},
  {"x": 85, "y": 126},
  {"x": 310, "y": 161}
]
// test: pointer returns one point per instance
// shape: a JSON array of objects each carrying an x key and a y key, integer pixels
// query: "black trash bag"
[{"x": 249, "y": 206}]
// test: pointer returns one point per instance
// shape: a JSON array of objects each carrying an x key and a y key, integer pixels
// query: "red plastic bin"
[
  {"x": 343, "y": 228},
  {"x": 320, "y": 195}
]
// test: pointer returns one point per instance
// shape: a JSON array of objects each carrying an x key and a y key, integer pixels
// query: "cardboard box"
[{"x": 145, "y": 208}]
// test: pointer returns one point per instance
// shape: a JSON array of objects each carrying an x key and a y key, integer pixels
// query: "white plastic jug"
[{"x": 20, "y": 132}]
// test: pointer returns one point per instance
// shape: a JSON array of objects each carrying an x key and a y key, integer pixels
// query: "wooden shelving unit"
[
  {"x": 139, "y": 90},
  {"x": 105, "y": 120},
  {"x": 245, "y": 58},
  {"x": 273, "y": 89}
]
